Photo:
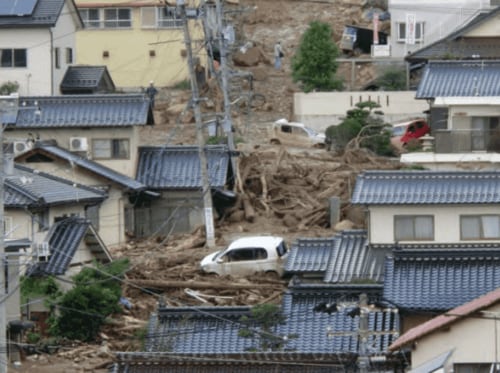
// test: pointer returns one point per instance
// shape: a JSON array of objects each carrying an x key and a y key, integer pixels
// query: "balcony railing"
[{"x": 464, "y": 141}]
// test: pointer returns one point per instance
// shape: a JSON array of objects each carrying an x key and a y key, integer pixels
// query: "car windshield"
[
  {"x": 310, "y": 131},
  {"x": 282, "y": 249},
  {"x": 398, "y": 131}
]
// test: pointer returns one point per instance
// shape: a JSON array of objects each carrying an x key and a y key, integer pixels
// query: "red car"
[{"x": 402, "y": 133}]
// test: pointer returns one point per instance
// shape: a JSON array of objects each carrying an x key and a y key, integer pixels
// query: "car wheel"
[
  {"x": 272, "y": 275},
  {"x": 275, "y": 142}
]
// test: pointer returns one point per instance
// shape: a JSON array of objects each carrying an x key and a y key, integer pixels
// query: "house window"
[
  {"x": 13, "y": 58},
  {"x": 110, "y": 148},
  {"x": 69, "y": 55},
  {"x": 57, "y": 58},
  {"x": 92, "y": 214},
  {"x": 42, "y": 219},
  {"x": 160, "y": 17},
  {"x": 401, "y": 30},
  {"x": 413, "y": 228},
  {"x": 117, "y": 18},
  {"x": 91, "y": 18},
  {"x": 475, "y": 368},
  {"x": 7, "y": 226},
  {"x": 480, "y": 227}
]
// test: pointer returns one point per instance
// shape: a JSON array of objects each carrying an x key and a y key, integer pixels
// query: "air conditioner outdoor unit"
[
  {"x": 42, "y": 250},
  {"x": 22, "y": 147},
  {"x": 78, "y": 144}
]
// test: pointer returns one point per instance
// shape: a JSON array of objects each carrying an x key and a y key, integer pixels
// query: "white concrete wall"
[
  {"x": 35, "y": 79},
  {"x": 322, "y": 109},
  {"x": 440, "y": 17},
  {"x": 474, "y": 340},
  {"x": 446, "y": 221}
]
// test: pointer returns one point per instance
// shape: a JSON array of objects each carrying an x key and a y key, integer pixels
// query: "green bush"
[
  {"x": 182, "y": 85},
  {"x": 392, "y": 80},
  {"x": 9, "y": 87},
  {"x": 315, "y": 63}
]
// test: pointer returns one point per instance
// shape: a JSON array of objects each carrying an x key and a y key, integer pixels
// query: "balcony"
[{"x": 466, "y": 141}]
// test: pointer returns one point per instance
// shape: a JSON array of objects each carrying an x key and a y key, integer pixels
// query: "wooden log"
[
  {"x": 249, "y": 210},
  {"x": 200, "y": 285}
]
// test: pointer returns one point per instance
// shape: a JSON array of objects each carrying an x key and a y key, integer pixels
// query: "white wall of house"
[
  {"x": 322, "y": 109},
  {"x": 474, "y": 340},
  {"x": 63, "y": 135},
  {"x": 440, "y": 18},
  {"x": 36, "y": 78},
  {"x": 446, "y": 221}
]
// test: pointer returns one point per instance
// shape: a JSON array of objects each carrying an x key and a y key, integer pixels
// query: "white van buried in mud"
[{"x": 296, "y": 134}]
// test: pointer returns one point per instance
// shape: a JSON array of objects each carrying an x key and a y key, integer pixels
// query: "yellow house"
[{"x": 138, "y": 40}]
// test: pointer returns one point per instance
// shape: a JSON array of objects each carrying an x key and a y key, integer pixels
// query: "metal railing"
[{"x": 462, "y": 141}]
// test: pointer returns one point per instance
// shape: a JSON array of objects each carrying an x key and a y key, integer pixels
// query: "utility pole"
[
  {"x": 8, "y": 109},
  {"x": 227, "y": 122},
  {"x": 206, "y": 191},
  {"x": 363, "y": 333}
]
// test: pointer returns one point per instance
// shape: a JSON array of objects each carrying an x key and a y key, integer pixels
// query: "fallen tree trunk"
[{"x": 200, "y": 285}]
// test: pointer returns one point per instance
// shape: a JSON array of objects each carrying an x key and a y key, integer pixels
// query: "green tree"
[
  {"x": 8, "y": 87},
  {"x": 392, "y": 80},
  {"x": 83, "y": 309},
  {"x": 364, "y": 124},
  {"x": 261, "y": 325},
  {"x": 315, "y": 63}
]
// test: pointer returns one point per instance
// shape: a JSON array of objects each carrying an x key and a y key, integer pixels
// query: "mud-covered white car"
[
  {"x": 296, "y": 134},
  {"x": 248, "y": 255}
]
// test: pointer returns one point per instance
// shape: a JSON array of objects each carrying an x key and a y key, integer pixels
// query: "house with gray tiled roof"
[
  {"x": 443, "y": 231},
  {"x": 463, "y": 97},
  {"x": 45, "y": 37},
  {"x": 104, "y": 128},
  {"x": 175, "y": 173},
  {"x": 462, "y": 339},
  {"x": 114, "y": 217},
  {"x": 318, "y": 342},
  {"x": 83, "y": 79}
]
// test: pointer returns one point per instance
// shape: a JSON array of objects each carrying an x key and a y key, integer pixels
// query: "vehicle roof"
[
  {"x": 283, "y": 121},
  {"x": 250, "y": 241},
  {"x": 402, "y": 124}
]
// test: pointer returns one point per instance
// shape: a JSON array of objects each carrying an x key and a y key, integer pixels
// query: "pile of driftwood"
[{"x": 295, "y": 187}]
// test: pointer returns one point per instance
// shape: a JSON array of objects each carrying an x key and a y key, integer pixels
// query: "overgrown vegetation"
[
  {"x": 392, "y": 80},
  {"x": 82, "y": 310},
  {"x": 364, "y": 125},
  {"x": 262, "y": 325},
  {"x": 182, "y": 85},
  {"x": 315, "y": 63},
  {"x": 8, "y": 87}
]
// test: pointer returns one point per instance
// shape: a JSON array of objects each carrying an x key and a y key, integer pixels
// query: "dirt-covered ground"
[{"x": 287, "y": 189}]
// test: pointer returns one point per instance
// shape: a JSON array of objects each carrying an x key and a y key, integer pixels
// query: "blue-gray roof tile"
[
  {"x": 84, "y": 111},
  {"x": 45, "y": 13},
  {"x": 90, "y": 79},
  {"x": 309, "y": 255},
  {"x": 178, "y": 167},
  {"x": 460, "y": 78},
  {"x": 53, "y": 150},
  {"x": 440, "y": 279},
  {"x": 28, "y": 188},
  {"x": 427, "y": 187}
]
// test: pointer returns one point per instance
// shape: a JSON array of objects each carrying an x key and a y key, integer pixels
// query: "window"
[
  {"x": 475, "y": 368},
  {"x": 106, "y": 17},
  {"x": 92, "y": 214},
  {"x": 57, "y": 58},
  {"x": 419, "y": 32},
  {"x": 480, "y": 227},
  {"x": 13, "y": 58},
  {"x": 69, "y": 55},
  {"x": 91, "y": 18},
  {"x": 247, "y": 254},
  {"x": 42, "y": 219},
  {"x": 7, "y": 226},
  {"x": 117, "y": 18},
  {"x": 160, "y": 17},
  {"x": 413, "y": 228},
  {"x": 111, "y": 149}
]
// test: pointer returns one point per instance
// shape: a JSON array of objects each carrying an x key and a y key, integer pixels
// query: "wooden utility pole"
[{"x": 195, "y": 101}]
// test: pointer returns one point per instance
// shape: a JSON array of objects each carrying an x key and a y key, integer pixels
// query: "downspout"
[{"x": 51, "y": 62}]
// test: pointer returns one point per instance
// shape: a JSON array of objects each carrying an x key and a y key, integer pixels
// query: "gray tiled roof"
[
  {"x": 45, "y": 13},
  {"x": 442, "y": 278},
  {"x": 354, "y": 260},
  {"x": 310, "y": 255},
  {"x": 459, "y": 46},
  {"x": 205, "y": 330},
  {"x": 178, "y": 167},
  {"x": 28, "y": 187},
  {"x": 82, "y": 111},
  {"x": 427, "y": 187},
  {"x": 52, "y": 149},
  {"x": 460, "y": 78},
  {"x": 87, "y": 78},
  {"x": 64, "y": 238}
]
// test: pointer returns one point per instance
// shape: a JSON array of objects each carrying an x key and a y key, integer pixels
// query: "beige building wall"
[
  {"x": 319, "y": 110},
  {"x": 138, "y": 55},
  {"x": 486, "y": 29},
  {"x": 474, "y": 339},
  {"x": 63, "y": 136},
  {"x": 446, "y": 221}
]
